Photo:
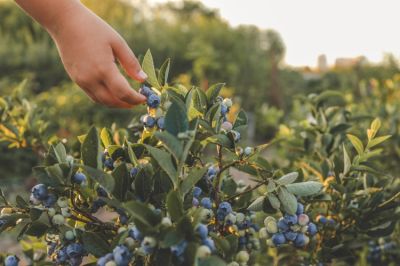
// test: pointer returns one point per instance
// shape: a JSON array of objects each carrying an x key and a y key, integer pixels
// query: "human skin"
[{"x": 89, "y": 48}]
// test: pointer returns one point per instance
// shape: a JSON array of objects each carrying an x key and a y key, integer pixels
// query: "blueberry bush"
[{"x": 180, "y": 188}]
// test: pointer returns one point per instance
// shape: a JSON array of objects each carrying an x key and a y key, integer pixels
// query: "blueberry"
[
  {"x": 322, "y": 219},
  {"x": 61, "y": 256},
  {"x": 153, "y": 101},
  {"x": 248, "y": 150},
  {"x": 106, "y": 258},
  {"x": 212, "y": 172},
  {"x": 146, "y": 91},
  {"x": 134, "y": 171},
  {"x": 209, "y": 243},
  {"x": 303, "y": 219},
  {"x": 178, "y": 249},
  {"x": 123, "y": 218},
  {"x": 97, "y": 204},
  {"x": 40, "y": 192},
  {"x": 282, "y": 225},
  {"x": 51, "y": 247},
  {"x": 75, "y": 250},
  {"x": 290, "y": 235},
  {"x": 195, "y": 202},
  {"x": 148, "y": 121},
  {"x": 122, "y": 255},
  {"x": 224, "y": 109},
  {"x": 290, "y": 219},
  {"x": 278, "y": 239},
  {"x": 301, "y": 240},
  {"x": 331, "y": 221},
  {"x": 109, "y": 163},
  {"x": 236, "y": 135},
  {"x": 300, "y": 208},
  {"x": 75, "y": 261},
  {"x": 101, "y": 192},
  {"x": 196, "y": 192},
  {"x": 50, "y": 201},
  {"x": 135, "y": 234},
  {"x": 225, "y": 207},
  {"x": 206, "y": 203},
  {"x": 202, "y": 230},
  {"x": 11, "y": 260},
  {"x": 312, "y": 229},
  {"x": 160, "y": 122},
  {"x": 78, "y": 178}
]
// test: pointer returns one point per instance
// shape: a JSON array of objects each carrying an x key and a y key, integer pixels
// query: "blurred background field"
[{"x": 204, "y": 48}]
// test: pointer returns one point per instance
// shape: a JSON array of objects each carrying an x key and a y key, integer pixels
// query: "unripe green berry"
[
  {"x": 270, "y": 243},
  {"x": 111, "y": 263},
  {"x": 149, "y": 241},
  {"x": 65, "y": 212},
  {"x": 203, "y": 252},
  {"x": 268, "y": 219},
  {"x": 248, "y": 151},
  {"x": 304, "y": 229},
  {"x": 121, "y": 229},
  {"x": 51, "y": 212},
  {"x": 263, "y": 234},
  {"x": 69, "y": 235},
  {"x": 242, "y": 256},
  {"x": 58, "y": 219},
  {"x": 166, "y": 221},
  {"x": 242, "y": 232},
  {"x": 240, "y": 217},
  {"x": 295, "y": 227},
  {"x": 272, "y": 227},
  {"x": 129, "y": 242},
  {"x": 62, "y": 202},
  {"x": 228, "y": 102}
]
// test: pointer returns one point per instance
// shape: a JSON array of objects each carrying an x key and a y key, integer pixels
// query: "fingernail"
[{"x": 142, "y": 75}]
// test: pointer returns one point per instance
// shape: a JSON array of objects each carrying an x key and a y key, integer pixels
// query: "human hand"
[{"x": 89, "y": 48}]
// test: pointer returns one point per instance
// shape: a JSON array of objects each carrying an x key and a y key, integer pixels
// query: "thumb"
[{"x": 128, "y": 60}]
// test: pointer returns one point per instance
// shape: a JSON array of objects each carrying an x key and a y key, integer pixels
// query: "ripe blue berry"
[
  {"x": 209, "y": 243},
  {"x": 300, "y": 208},
  {"x": 146, "y": 91},
  {"x": 50, "y": 201},
  {"x": 225, "y": 207},
  {"x": 282, "y": 225},
  {"x": 202, "y": 230},
  {"x": 135, "y": 234},
  {"x": 178, "y": 249},
  {"x": 106, "y": 258},
  {"x": 236, "y": 135},
  {"x": 40, "y": 192},
  {"x": 134, "y": 171},
  {"x": 97, "y": 204},
  {"x": 312, "y": 229},
  {"x": 290, "y": 219},
  {"x": 224, "y": 109},
  {"x": 301, "y": 240},
  {"x": 122, "y": 255},
  {"x": 78, "y": 178},
  {"x": 148, "y": 121},
  {"x": 160, "y": 122},
  {"x": 153, "y": 101},
  {"x": 61, "y": 256},
  {"x": 196, "y": 192},
  {"x": 109, "y": 163},
  {"x": 101, "y": 192},
  {"x": 206, "y": 203},
  {"x": 75, "y": 250},
  {"x": 322, "y": 219},
  {"x": 303, "y": 219},
  {"x": 278, "y": 239},
  {"x": 195, "y": 202},
  {"x": 11, "y": 260},
  {"x": 290, "y": 235},
  {"x": 212, "y": 172}
]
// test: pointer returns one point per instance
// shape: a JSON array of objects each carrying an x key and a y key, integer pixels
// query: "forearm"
[{"x": 49, "y": 12}]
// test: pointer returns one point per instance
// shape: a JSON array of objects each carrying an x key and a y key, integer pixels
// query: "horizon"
[{"x": 336, "y": 29}]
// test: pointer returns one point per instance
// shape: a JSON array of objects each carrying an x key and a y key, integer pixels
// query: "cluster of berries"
[
  {"x": 120, "y": 256},
  {"x": 227, "y": 126},
  {"x": 70, "y": 254},
  {"x": 41, "y": 195},
  {"x": 151, "y": 119},
  {"x": 325, "y": 221},
  {"x": 379, "y": 248},
  {"x": 296, "y": 229}
]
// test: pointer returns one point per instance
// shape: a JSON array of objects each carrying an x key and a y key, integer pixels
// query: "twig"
[{"x": 247, "y": 191}]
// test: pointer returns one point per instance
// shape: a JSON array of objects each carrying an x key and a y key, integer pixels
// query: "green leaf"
[
  {"x": 60, "y": 153},
  {"x": 106, "y": 137},
  {"x": 148, "y": 68},
  {"x": 346, "y": 161},
  {"x": 143, "y": 213},
  {"x": 163, "y": 159},
  {"x": 131, "y": 154},
  {"x": 307, "y": 188},
  {"x": 55, "y": 172},
  {"x": 192, "y": 178},
  {"x": 377, "y": 141},
  {"x": 36, "y": 229},
  {"x": 199, "y": 100},
  {"x": 164, "y": 72},
  {"x": 176, "y": 120},
  {"x": 357, "y": 144},
  {"x": 91, "y": 149},
  {"x": 174, "y": 205},
  {"x": 35, "y": 213},
  {"x": 94, "y": 244},
  {"x": 241, "y": 119},
  {"x": 104, "y": 179},
  {"x": 288, "y": 200},
  {"x": 257, "y": 204},
  {"x": 171, "y": 143},
  {"x": 122, "y": 181},
  {"x": 21, "y": 203},
  {"x": 212, "y": 261},
  {"x": 288, "y": 178},
  {"x": 143, "y": 185},
  {"x": 213, "y": 92},
  {"x": 221, "y": 243},
  {"x": 275, "y": 203}
]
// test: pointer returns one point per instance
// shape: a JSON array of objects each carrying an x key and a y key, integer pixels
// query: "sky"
[{"x": 336, "y": 28}]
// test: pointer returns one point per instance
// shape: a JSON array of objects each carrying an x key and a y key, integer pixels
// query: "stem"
[
  {"x": 247, "y": 191},
  {"x": 397, "y": 195}
]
